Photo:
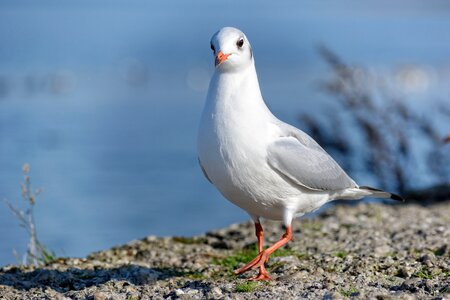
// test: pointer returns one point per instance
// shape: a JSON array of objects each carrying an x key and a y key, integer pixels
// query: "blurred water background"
[{"x": 103, "y": 100}]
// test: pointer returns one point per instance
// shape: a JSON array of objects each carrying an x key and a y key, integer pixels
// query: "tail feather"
[{"x": 382, "y": 194}]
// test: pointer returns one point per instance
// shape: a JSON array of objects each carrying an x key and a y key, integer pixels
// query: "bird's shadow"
[{"x": 74, "y": 279}]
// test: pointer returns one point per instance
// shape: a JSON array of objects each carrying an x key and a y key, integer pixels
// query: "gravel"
[{"x": 365, "y": 251}]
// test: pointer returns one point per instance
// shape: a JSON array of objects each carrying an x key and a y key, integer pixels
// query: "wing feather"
[{"x": 298, "y": 157}]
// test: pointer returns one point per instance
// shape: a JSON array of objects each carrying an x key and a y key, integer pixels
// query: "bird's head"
[{"x": 231, "y": 49}]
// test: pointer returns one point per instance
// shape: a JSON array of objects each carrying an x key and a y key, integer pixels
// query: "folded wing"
[{"x": 299, "y": 158}]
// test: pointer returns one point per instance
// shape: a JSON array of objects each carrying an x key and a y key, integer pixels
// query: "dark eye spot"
[
  {"x": 212, "y": 48},
  {"x": 240, "y": 43}
]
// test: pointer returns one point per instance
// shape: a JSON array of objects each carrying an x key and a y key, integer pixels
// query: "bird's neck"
[{"x": 238, "y": 93}]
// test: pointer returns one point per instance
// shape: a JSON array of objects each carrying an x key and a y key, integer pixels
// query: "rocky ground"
[{"x": 365, "y": 251}]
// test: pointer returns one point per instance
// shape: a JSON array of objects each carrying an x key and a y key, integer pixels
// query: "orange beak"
[{"x": 220, "y": 58}]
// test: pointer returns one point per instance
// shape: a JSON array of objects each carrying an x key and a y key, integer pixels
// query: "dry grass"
[
  {"x": 36, "y": 253},
  {"x": 391, "y": 131}
]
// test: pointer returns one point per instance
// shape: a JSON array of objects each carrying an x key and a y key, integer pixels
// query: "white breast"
[{"x": 235, "y": 130}]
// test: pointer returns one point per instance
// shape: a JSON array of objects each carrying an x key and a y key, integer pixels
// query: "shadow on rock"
[{"x": 78, "y": 279}]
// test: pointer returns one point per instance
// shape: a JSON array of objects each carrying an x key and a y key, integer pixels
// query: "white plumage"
[{"x": 263, "y": 165}]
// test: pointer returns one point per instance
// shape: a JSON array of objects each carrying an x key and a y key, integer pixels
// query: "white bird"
[{"x": 269, "y": 168}]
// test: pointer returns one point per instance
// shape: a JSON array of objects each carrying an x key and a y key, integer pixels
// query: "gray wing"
[{"x": 298, "y": 157}]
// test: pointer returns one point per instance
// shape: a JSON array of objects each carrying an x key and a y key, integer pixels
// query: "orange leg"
[
  {"x": 262, "y": 257},
  {"x": 260, "y": 235},
  {"x": 263, "y": 274}
]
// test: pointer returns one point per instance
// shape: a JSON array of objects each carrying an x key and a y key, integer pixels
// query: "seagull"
[{"x": 270, "y": 169}]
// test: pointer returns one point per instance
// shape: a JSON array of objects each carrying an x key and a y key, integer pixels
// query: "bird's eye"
[
  {"x": 212, "y": 48},
  {"x": 240, "y": 43}
]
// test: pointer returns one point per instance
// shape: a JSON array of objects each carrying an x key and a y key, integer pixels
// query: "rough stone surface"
[{"x": 367, "y": 251}]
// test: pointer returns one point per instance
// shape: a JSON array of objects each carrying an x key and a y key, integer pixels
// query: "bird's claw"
[{"x": 263, "y": 275}]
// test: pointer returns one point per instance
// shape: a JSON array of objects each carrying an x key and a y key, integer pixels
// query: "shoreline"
[{"x": 362, "y": 251}]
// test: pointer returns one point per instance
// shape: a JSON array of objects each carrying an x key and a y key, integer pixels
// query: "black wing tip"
[
  {"x": 397, "y": 198},
  {"x": 392, "y": 196}
]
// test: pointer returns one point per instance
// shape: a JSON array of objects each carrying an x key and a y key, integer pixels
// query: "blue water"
[{"x": 103, "y": 99}]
